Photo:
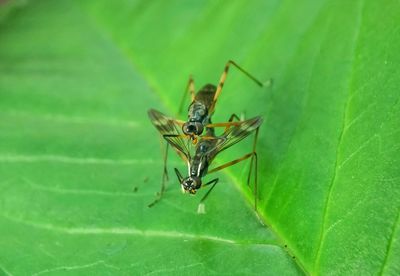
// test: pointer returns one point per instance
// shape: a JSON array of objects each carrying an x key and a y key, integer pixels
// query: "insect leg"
[
  {"x": 225, "y": 124},
  {"x": 233, "y": 162},
  {"x": 200, "y": 207},
  {"x": 223, "y": 78},
  {"x": 189, "y": 88},
  {"x": 255, "y": 156},
  {"x": 164, "y": 178},
  {"x": 255, "y": 161},
  {"x": 233, "y": 116},
  {"x": 228, "y": 124},
  {"x": 165, "y": 170}
]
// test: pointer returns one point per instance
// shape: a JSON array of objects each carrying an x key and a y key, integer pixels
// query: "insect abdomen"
[{"x": 206, "y": 95}]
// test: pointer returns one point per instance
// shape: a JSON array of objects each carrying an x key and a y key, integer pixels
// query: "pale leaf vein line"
[
  {"x": 5, "y": 271},
  {"x": 128, "y": 231},
  {"x": 390, "y": 242},
  {"x": 166, "y": 270},
  {"x": 354, "y": 153},
  {"x": 345, "y": 216},
  {"x": 298, "y": 126},
  {"x": 9, "y": 158},
  {"x": 39, "y": 187},
  {"x": 60, "y": 118},
  {"x": 74, "y": 267},
  {"x": 339, "y": 144},
  {"x": 359, "y": 116}
]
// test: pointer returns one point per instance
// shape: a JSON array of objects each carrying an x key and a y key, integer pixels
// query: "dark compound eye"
[
  {"x": 188, "y": 128},
  {"x": 192, "y": 128},
  {"x": 199, "y": 128}
]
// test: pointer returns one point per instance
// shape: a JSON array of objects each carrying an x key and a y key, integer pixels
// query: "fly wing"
[
  {"x": 170, "y": 129},
  {"x": 237, "y": 133}
]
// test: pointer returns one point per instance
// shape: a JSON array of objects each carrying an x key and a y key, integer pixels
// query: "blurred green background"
[{"x": 80, "y": 161}]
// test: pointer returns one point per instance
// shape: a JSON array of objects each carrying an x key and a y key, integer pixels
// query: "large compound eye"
[
  {"x": 188, "y": 128},
  {"x": 199, "y": 128},
  {"x": 192, "y": 128}
]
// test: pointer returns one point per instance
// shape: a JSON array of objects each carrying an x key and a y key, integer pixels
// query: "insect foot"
[{"x": 201, "y": 209}]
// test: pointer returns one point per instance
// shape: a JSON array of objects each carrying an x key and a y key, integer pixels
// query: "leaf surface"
[{"x": 80, "y": 161}]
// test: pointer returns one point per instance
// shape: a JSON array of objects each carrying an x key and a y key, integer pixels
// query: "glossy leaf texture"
[{"x": 80, "y": 161}]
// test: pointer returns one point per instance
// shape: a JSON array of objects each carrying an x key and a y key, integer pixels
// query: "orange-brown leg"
[
  {"x": 189, "y": 88},
  {"x": 233, "y": 162},
  {"x": 223, "y": 78},
  {"x": 228, "y": 124}
]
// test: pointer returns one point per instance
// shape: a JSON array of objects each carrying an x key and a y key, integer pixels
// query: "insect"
[
  {"x": 200, "y": 111},
  {"x": 205, "y": 150}
]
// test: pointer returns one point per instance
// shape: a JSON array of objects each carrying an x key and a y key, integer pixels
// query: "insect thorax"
[
  {"x": 197, "y": 119},
  {"x": 198, "y": 110},
  {"x": 198, "y": 113}
]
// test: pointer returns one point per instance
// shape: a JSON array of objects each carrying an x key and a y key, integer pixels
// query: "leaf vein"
[
  {"x": 129, "y": 231},
  {"x": 339, "y": 144},
  {"x": 362, "y": 146},
  {"x": 6, "y": 272},
  {"x": 74, "y": 267},
  {"x": 390, "y": 243},
  {"x": 298, "y": 126},
  {"x": 10, "y": 158},
  {"x": 39, "y": 187},
  {"x": 62, "y": 118}
]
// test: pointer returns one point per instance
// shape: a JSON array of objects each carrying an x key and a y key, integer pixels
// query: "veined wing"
[
  {"x": 170, "y": 129},
  {"x": 237, "y": 133}
]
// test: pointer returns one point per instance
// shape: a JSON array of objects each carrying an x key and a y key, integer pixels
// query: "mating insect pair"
[{"x": 197, "y": 150}]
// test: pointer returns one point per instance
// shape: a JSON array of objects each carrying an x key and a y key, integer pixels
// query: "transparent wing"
[
  {"x": 237, "y": 133},
  {"x": 170, "y": 129}
]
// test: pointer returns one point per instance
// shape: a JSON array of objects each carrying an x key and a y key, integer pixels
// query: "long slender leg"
[
  {"x": 163, "y": 180},
  {"x": 200, "y": 207},
  {"x": 231, "y": 118},
  {"x": 189, "y": 88},
  {"x": 233, "y": 162},
  {"x": 165, "y": 174},
  {"x": 223, "y": 78},
  {"x": 244, "y": 157},
  {"x": 255, "y": 156},
  {"x": 165, "y": 169},
  {"x": 227, "y": 124},
  {"x": 213, "y": 183}
]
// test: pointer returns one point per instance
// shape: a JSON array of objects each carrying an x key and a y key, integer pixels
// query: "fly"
[{"x": 205, "y": 150}]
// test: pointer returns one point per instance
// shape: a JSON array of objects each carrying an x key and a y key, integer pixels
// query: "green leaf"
[{"x": 80, "y": 161}]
